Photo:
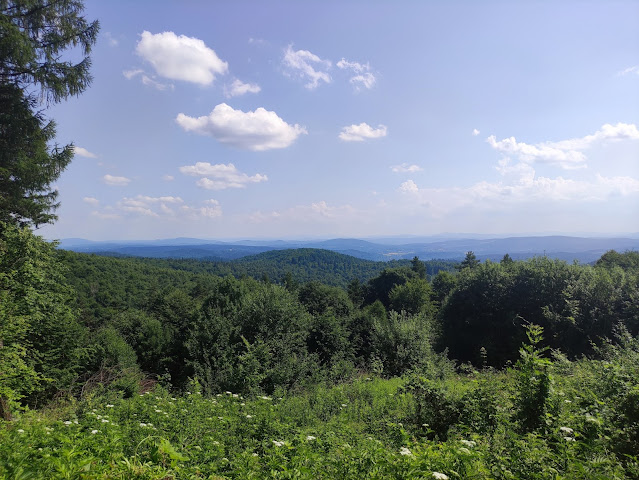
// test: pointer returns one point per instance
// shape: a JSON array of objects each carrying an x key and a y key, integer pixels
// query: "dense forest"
[{"x": 446, "y": 349}]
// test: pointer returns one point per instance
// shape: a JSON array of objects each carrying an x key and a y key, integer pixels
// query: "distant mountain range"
[{"x": 583, "y": 249}]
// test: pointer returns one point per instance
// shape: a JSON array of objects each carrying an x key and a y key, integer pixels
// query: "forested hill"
[{"x": 299, "y": 265}]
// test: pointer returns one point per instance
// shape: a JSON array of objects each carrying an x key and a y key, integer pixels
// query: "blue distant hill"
[{"x": 582, "y": 249}]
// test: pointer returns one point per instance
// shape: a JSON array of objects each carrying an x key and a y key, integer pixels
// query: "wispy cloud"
[
  {"x": 116, "y": 181},
  {"x": 307, "y": 66},
  {"x": 628, "y": 71},
  {"x": 406, "y": 168},
  {"x": 220, "y": 176},
  {"x": 362, "y": 77}
]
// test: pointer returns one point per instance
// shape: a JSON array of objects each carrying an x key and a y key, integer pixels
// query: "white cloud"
[
  {"x": 83, "y": 152},
  {"x": 238, "y": 88},
  {"x": 366, "y": 79},
  {"x": 168, "y": 178},
  {"x": 406, "y": 168},
  {"x": 116, "y": 181},
  {"x": 91, "y": 200},
  {"x": 566, "y": 154},
  {"x": 358, "y": 133},
  {"x": 303, "y": 64},
  {"x": 259, "y": 130},
  {"x": 475, "y": 132},
  {"x": 355, "y": 66},
  {"x": 220, "y": 176},
  {"x": 520, "y": 186},
  {"x": 149, "y": 206},
  {"x": 180, "y": 58},
  {"x": 363, "y": 76},
  {"x": 629, "y": 70},
  {"x": 113, "y": 42},
  {"x": 408, "y": 187},
  {"x": 161, "y": 208},
  {"x": 211, "y": 209},
  {"x": 129, "y": 74},
  {"x": 150, "y": 82}
]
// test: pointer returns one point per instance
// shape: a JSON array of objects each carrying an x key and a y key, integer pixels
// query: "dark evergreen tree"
[
  {"x": 418, "y": 267},
  {"x": 34, "y": 34}
]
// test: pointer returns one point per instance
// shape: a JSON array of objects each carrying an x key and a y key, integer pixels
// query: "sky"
[{"x": 324, "y": 119}]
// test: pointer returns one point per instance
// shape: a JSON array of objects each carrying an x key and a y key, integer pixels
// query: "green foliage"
[
  {"x": 42, "y": 347},
  {"x": 413, "y": 297},
  {"x": 533, "y": 401},
  {"x": 380, "y": 287}
]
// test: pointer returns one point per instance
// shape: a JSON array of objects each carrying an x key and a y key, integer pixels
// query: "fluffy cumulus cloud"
[
  {"x": 238, "y": 88},
  {"x": 406, "y": 168},
  {"x": 361, "y": 132},
  {"x": 91, "y": 200},
  {"x": 362, "y": 76},
  {"x": 257, "y": 131},
  {"x": 180, "y": 57},
  {"x": 114, "y": 181},
  {"x": 220, "y": 176},
  {"x": 307, "y": 66},
  {"x": 567, "y": 154},
  {"x": 83, "y": 152},
  {"x": 475, "y": 132}
]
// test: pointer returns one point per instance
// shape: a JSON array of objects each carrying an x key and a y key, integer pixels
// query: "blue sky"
[{"x": 278, "y": 119}]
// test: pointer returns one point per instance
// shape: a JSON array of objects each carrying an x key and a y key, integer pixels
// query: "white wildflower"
[
  {"x": 255, "y": 455},
  {"x": 468, "y": 443},
  {"x": 278, "y": 444},
  {"x": 405, "y": 451},
  {"x": 68, "y": 422},
  {"x": 310, "y": 438},
  {"x": 567, "y": 430},
  {"x": 249, "y": 416},
  {"x": 143, "y": 425},
  {"x": 20, "y": 430},
  {"x": 158, "y": 411},
  {"x": 93, "y": 432},
  {"x": 110, "y": 406},
  {"x": 104, "y": 420},
  {"x": 440, "y": 476},
  {"x": 569, "y": 439}
]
